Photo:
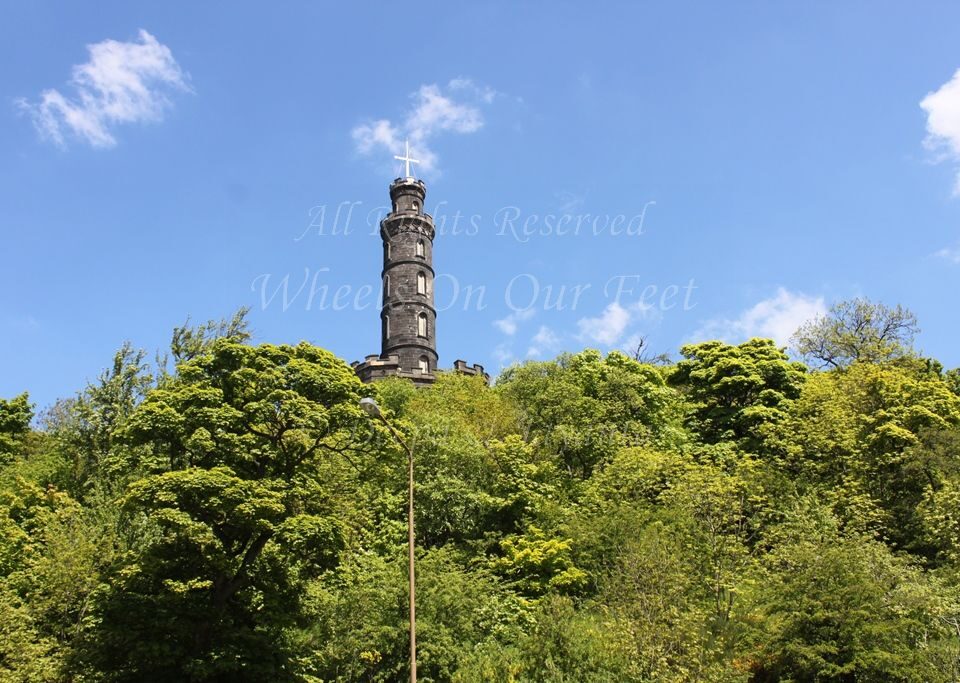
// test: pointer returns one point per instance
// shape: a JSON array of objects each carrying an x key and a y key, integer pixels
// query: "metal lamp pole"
[{"x": 371, "y": 408}]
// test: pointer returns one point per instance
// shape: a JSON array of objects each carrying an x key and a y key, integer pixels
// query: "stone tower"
[{"x": 408, "y": 319}]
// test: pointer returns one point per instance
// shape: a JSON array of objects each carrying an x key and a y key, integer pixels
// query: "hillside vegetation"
[{"x": 230, "y": 514}]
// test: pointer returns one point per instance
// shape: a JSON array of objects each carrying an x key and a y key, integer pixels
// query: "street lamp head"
[{"x": 370, "y": 407}]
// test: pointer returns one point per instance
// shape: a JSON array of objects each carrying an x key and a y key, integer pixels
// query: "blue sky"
[{"x": 166, "y": 160}]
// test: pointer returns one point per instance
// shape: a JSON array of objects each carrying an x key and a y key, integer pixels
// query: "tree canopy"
[
  {"x": 857, "y": 330},
  {"x": 230, "y": 514}
]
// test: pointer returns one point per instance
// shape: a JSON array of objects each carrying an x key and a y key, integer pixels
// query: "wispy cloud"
[
  {"x": 569, "y": 202},
  {"x": 24, "y": 323},
  {"x": 509, "y": 324},
  {"x": 120, "y": 83},
  {"x": 503, "y": 354},
  {"x": 950, "y": 254},
  {"x": 610, "y": 326},
  {"x": 434, "y": 110},
  {"x": 544, "y": 341},
  {"x": 943, "y": 123},
  {"x": 775, "y": 318}
]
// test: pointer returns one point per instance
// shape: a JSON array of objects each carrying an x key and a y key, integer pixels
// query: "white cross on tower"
[{"x": 406, "y": 158}]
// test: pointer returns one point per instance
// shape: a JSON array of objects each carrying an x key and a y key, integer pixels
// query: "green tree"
[
  {"x": 870, "y": 434},
  {"x": 857, "y": 331},
  {"x": 952, "y": 379},
  {"x": 835, "y": 607},
  {"x": 359, "y": 629},
  {"x": 52, "y": 552},
  {"x": 564, "y": 645},
  {"x": 737, "y": 392},
  {"x": 189, "y": 341},
  {"x": 239, "y": 501},
  {"x": 477, "y": 480},
  {"x": 85, "y": 429},
  {"x": 581, "y": 409},
  {"x": 537, "y": 565},
  {"x": 593, "y": 518},
  {"x": 659, "y": 587},
  {"x": 15, "y": 417}
]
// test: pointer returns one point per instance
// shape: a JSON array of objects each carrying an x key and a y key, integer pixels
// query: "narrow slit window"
[
  {"x": 422, "y": 324},
  {"x": 420, "y": 250},
  {"x": 424, "y": 364},
  {"x": 421, "y": 283}
]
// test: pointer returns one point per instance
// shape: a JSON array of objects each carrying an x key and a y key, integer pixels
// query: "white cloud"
[
  {"x": 609, "y": 327},
  {"x": 369, "y": 136},
  {"x": 943, "y": 122},
  {"x": 434, "y": 110},
  {"x": 503, "y": 355},
  {"x": 544, "y": 341},
  {"x": 952, "y": 255},
  {"x": 121, "y": 83},
  {"x": 510, "y": 324},
  {"x": 484, "y": 93},
  {"x": 775, "y": 318}
]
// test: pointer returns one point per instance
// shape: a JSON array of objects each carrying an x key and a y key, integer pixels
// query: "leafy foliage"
[
  {"x": 838, "y": 607},
  {"x": 581, "y": 409},
  {"x": 15, "y": 417},
  {"x": 737, "y": 392},
  {"x": 730, "y": 518},
  {"x": 857, "y": 331}
]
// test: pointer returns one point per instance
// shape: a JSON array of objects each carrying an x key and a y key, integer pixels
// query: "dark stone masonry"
[{"x": 408, "y": 319}]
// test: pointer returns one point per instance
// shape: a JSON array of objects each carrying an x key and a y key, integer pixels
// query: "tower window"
[
  {"x": 386, "y": 251},
  {"x": 422, "y": 324},
  {"x": 420, "y": 248},
  {"x": 386, "y": 286},
  {"x": 424, "y": 364},
  {"x": 386, "y": 327},
  {"x": 421, "y": 283},
  {"x": 416, "y": 206}
]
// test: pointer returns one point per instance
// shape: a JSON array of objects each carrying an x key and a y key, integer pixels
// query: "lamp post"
[{"x": 371, "y": 408}]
